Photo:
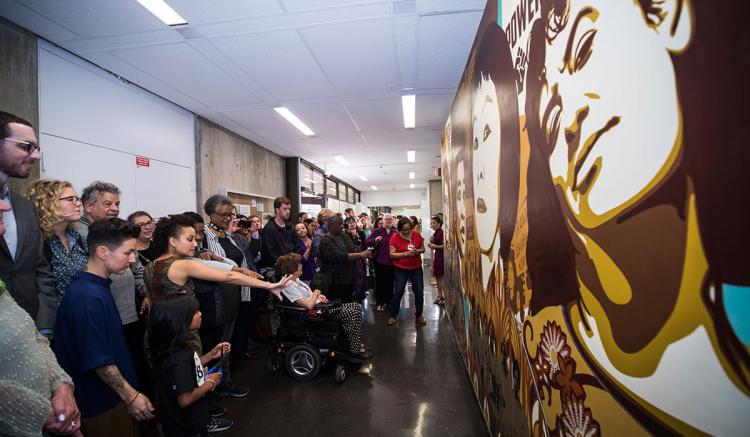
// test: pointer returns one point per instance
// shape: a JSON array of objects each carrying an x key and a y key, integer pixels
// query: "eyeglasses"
[
  {"x": 28, "y": 146},
  {"x": 72, "y": 199},
  {"x": 145, "y": 224},
  {"x": 224, "y": 215}
]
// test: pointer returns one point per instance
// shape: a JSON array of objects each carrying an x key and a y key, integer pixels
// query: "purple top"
[
  {"x": 308, "y": 265},
  {"x": 383, "y": 255}
]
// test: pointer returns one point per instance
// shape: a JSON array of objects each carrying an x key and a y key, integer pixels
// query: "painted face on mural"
[
  {"x": 614, "y": 133},
  {"x": 460, "y": 206},
  {"x": 486, "y": 161}
]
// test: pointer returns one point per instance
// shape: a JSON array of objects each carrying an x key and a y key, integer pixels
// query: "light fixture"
[
  {"x": 163, "y": 11},
  {"x": 341, "y": 160},
  {"x": 411, "y": 175},
  {"x": 411, "y": 185},
  {"x": 409, "y": 105},
  {"x": 374, "y": 187},
  {"x": 411, "y": 156},
  {"x": 363, "y": 178},
  {"x": 296, "y": 122}
]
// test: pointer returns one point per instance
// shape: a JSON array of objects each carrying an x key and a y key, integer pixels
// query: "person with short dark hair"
[
  {"x": 146, "y": 223},
  {"x": 384, "y": 273},
  {"x": 91, "y": 345},
  {"x": 23, "y": 267},
  {"x": 349, "y": 213},
  {"x": 337, "y": 256},
  {"x": 302, "y": 217},
  {"x": 406, "y": 248},
  {"x": 437, "y": 242},
  {"x": 278, "y": 237}
]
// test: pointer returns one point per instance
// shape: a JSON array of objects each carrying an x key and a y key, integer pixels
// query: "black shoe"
[
  {"x": 219, "y": 425},
  {"x": 221, "y": 411},
  {"x": 235, "y": 391}
]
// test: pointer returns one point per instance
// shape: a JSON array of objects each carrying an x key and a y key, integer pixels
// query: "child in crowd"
[{"x": 182, "y": 380}]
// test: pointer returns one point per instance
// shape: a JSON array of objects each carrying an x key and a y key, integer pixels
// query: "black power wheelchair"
[{"x": 304, "y": 342}]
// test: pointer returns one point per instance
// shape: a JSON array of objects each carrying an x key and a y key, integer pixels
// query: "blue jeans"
[{"x": 417, "y": 286}]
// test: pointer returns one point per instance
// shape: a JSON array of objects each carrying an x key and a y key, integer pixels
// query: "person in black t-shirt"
[{"x": 182, "y": 381}]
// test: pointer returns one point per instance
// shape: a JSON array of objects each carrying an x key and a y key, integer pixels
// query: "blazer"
[{"x": 29, "y": 277}]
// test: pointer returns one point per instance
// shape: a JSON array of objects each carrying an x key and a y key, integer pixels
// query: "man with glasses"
[{"x": 23, "y": 266}]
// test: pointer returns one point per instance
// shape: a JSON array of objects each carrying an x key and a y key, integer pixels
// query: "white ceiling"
[{"x": 340, "y": 65}]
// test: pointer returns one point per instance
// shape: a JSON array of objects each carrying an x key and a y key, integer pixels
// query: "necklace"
[{"x": 218, "y": 229}]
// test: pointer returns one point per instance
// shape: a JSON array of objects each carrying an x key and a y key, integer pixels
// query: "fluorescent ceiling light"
[
  {"x": 363, "y": 178},
  {"x": 163, "y": 12},
  {"x": 374, "y": 187},
  {"x": 411, "y": 156},
  {"x": 296, "y": 122},
  {"x": 409, "y": 105},
  {"x": 341, "y": 160},
  {"x": 411, "y": 175},
  {"x": 411, "y": 185}
]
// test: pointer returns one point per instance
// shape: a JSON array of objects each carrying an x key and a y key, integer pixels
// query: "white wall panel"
[{"x": 92, "y": 126}]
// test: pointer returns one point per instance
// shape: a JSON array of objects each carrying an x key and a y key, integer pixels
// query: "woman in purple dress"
[{"x": 436, "y": 244}]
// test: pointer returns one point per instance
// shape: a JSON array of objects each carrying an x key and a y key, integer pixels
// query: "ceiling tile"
[
  {"x": 202, "y": 11},
  {"x": 433, "y": 109},
  {"x": 97, "y": 18},
  {"x": 368, "y": 64},
  {"x": 189, "y": 72},
  {"x": 267, "y": 123},
  {"x": 301, "y": 5},
  {"x": 324, "y": 118},
  {"x": 377, "y": 114},
  {"x": 443, "y": 55},
  {"x": 405, "y": 31},
  {"x": 279, "y": 62},
  {"x": 18, "y": 13}
]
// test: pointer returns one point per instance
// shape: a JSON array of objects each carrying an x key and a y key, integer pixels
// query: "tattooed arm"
[{"x": 139, "y": 406}]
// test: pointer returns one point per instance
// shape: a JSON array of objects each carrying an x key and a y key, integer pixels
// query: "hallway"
[{"x": 417, "y": 386}]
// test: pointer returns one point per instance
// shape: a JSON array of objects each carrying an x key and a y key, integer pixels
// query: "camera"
[{"x": 245, "y": 224}]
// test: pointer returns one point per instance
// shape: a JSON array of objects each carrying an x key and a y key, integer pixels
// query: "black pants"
[
  {"x": 384, "y": 282},
  {"x": 242, "y": 329},
  {"x": 340, "y": 291}
]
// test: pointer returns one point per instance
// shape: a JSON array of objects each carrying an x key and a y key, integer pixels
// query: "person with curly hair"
[{"x": 58, "y": 208}]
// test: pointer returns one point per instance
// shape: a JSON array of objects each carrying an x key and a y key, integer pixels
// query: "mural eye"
[
  {"x": 487, "y": 132},
  {"x": 476, "y": 144},
  {"x": 583, "y": 50}
]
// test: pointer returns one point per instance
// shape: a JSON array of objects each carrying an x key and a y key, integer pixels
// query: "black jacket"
[
  {"x": 276, "y": 241},
  {"x": 29, "y": 277}
]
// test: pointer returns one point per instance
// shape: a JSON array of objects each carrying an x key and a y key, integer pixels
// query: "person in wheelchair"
[{"x": 299, "y": 293}]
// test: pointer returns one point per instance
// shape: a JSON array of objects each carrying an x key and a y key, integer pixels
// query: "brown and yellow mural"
[{"x": 597, "y": 213}]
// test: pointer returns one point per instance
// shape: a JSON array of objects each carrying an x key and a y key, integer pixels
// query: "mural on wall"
[{"x": 596, "y": 217}]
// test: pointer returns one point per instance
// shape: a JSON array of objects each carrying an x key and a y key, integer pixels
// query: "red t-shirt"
[{"x": 402, "y": 245}]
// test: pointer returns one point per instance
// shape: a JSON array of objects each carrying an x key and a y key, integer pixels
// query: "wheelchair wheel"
[
  {"x": 340, "y": 375},
  {"x": 303, "y": 362}
]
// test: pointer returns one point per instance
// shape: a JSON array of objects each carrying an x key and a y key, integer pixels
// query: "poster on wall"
[{"x": 597, "y": 217}]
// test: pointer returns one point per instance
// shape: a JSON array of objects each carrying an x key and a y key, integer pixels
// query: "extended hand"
[
  {"x": 283, "y": 282},
  {"x": 146, "y": 305}
]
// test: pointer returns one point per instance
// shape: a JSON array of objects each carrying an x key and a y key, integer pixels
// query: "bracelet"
[
  {"x": 213, "y": 384},
  {"x": 134, "y": 398}
]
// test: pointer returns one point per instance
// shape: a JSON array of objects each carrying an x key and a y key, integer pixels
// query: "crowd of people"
[{"x": 110, "y": 325}]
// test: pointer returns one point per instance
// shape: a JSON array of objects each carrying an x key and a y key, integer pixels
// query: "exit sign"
[{"x": 142, "y": 161}]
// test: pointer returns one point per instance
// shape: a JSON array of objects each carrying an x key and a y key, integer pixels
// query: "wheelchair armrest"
[
  {"x": 328, "y": 304},
  {"x": 293, "y": 308}
]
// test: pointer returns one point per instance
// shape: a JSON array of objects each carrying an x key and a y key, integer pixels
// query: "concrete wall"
[
  {"x": 226, "y": 160},
  {"x": 18, "y": 82}
]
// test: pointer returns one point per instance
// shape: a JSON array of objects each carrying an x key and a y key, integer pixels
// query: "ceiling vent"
[
  {"x": 188, "y": 32},
  {"x": 401, "y": 7}
]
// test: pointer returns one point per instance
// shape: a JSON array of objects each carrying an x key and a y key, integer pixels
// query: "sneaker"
[
  {"x": 391, "y": 321},
  {"x": 420, "y": 321},
  {"x": 220, "y": 411},
  {"x": 217, "y": 424},
  {"x": 235, "y": 391}
]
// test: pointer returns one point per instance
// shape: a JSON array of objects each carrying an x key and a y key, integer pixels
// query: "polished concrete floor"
[{"x": 416, "y": 386}]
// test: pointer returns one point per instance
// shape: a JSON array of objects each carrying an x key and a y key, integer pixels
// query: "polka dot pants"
[{"x": 350, "y": 316}]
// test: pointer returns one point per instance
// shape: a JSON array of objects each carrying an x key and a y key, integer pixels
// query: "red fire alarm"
[{"x": 142, "y": 161}]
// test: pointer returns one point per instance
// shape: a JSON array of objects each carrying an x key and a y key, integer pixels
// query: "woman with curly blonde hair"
[{"x": 58, "y": 207}]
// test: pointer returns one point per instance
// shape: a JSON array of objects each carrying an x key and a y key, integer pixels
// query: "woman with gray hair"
[{"x": 384, "y": 270}]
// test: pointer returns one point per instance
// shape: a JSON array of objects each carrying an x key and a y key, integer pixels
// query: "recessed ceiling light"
[
  {"x": 163, "y": 12},
  {"x": 296, "y": 122},
  {"x": 374, "y": 187},
  {"x": 409, "y": 105},
  {"x": 411, "y": 185},
  {"x": 411, "y": 156},
  {"x": 363, "y": 178},
  {"x": 411, "y": 175},
  {"x": 341, "y": 160}
]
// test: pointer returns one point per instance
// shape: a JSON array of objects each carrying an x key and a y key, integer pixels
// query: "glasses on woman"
[
  {"x": 145, "y": 224},
  {"x": 28, "y": 146},
  {"x": 71, "y": 199},
  {"x": 224, "y": 215}
]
